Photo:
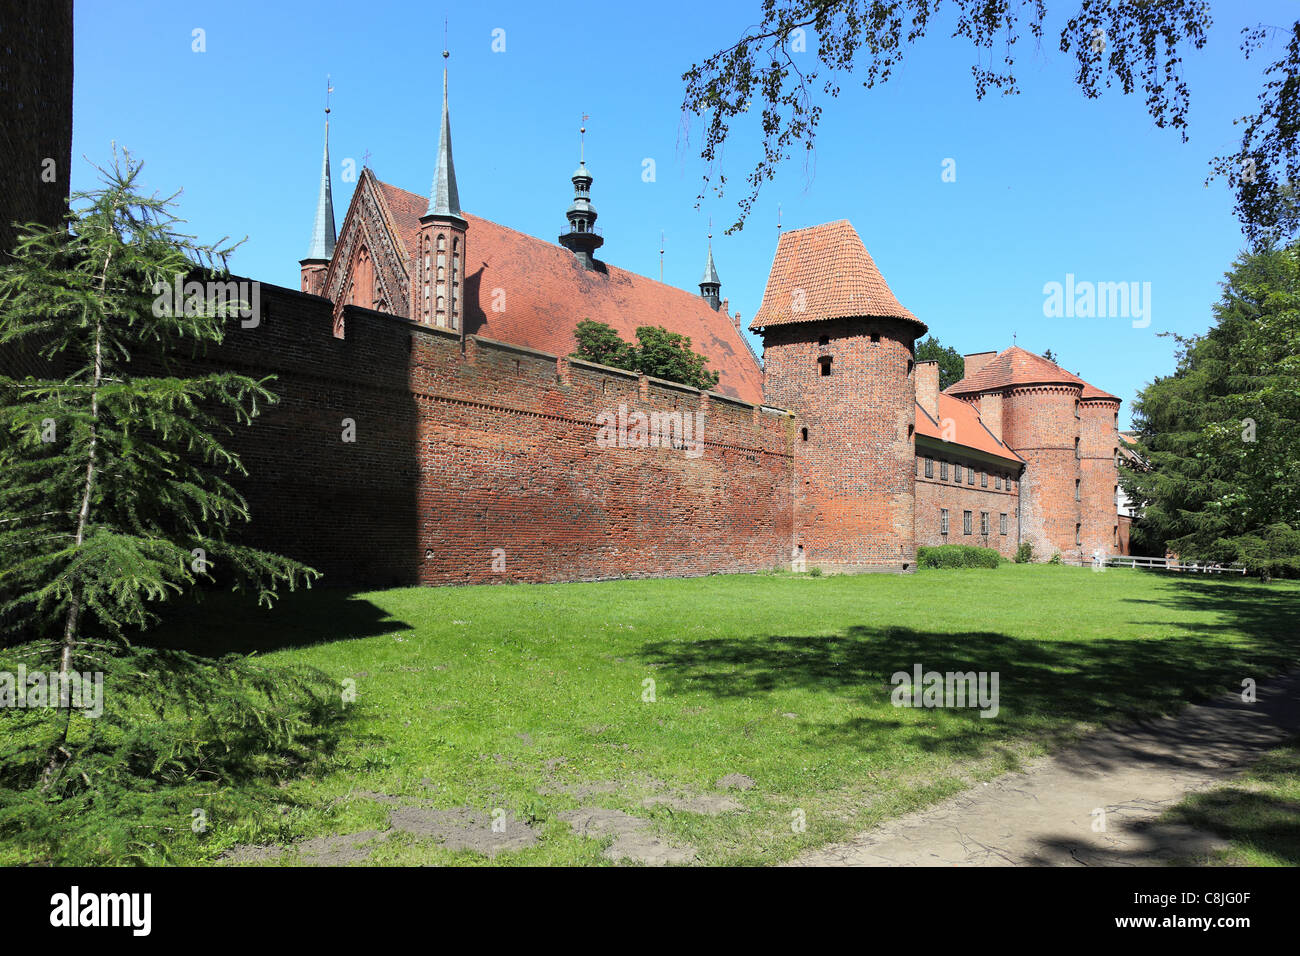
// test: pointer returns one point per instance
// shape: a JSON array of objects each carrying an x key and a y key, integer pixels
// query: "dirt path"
[{"x": 1045, "y": 815}]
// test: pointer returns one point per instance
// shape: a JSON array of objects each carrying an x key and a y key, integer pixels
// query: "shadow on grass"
[
  {"x": 225, "y": 623},
  {"x": 1042, "y": 683},
  {"x": 1267, "y": 821}
]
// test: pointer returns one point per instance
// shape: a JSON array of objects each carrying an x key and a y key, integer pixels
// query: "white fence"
[{"x": 1170, "y": 564}]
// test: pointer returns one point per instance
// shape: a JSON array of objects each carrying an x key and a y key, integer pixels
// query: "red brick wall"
[
  {"x": 1099, "y": 439},
  {"x": 1038, "y": 423},
  {"x": 855, "y": 486},
  {"x": 456, "y": 456},
  {"x": 933, "y": 494}
]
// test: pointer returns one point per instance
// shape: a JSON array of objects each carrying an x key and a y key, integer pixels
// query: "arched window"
[{"x": 363, "y": 280}]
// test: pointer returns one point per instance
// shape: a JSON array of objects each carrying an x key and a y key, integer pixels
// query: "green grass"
[
  {"x": 484, "y": 696},
  {"x": 1258, "y": 814}
]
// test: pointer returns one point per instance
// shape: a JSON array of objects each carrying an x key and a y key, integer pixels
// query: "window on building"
[
  {"x": 984, "y": 522},
  {"x": 1077, "y": 494},
  {"x": 1076, "y": 408},
  {"x": 956, "y": 473},
  {"x": 943, "y": 520},
  {"x": 1002, "y": 524},
  {"x": 984, "y": 479},
  {"x": 804, "y": 434},
  {"x": 875, "y": 336},
  {"x": 825, "y": 362},
  {"x": 997, "y": 482},
  {"x": 1116, "y": 538},
  {"x": 929, "y": 468},
  {"x": 970, "y": 476},
  {"x": 1076, "y": 448},
  {"x": 1078, "y": 534},
  {"x": 943, "y": 470},
  {"x": 965, "y": 522}
]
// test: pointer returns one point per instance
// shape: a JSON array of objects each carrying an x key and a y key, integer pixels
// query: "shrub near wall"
[{"x": 957, "y": 556}]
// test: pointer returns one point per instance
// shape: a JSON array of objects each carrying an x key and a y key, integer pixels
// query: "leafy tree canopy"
[
  {"x": 658, "y": 352},
  {"x": 1220, "y": 432},
  {"x": 952, "y": 367},
  {"x": 786, "y": 66}
]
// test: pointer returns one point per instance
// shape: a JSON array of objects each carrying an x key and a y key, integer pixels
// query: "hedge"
[{"x": 957, "y": 556}]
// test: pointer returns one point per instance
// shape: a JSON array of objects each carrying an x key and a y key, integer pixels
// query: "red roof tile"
[
  {"x": 825, "y": 272},
  {"x": 968, "y": 429},
  {"x": 547, "y": 292},
  {"x": 1015, "y": 366}
]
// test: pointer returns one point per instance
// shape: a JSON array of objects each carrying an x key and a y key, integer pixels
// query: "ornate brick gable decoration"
[{"x": 368, "y": 227}]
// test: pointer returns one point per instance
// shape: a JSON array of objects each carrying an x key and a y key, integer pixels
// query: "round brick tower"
[
  {"x": 1099, "y": 444},
  {"x": 1039, "y": 422},
  {"x": 838, "y": 352},
  {"x": 1066, "y": 431}
]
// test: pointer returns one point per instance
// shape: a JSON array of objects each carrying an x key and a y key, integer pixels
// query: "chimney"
[
  {"x": 723, "y": 307},
  {"x": 976, "y": 361},
  {"x": 927, "y": 387},
  {"x": 991, "y": 413}
]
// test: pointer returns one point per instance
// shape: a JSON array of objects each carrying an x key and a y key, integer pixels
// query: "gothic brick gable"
[{"x": 378, "y": 279}]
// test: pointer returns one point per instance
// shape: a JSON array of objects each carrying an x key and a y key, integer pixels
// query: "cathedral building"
[{"x": 836, "y": 450}]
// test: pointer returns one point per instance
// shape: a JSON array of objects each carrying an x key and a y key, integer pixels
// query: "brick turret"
[
  {"x": 838, "y": 352},
  {"x": 437, "y": 266}
]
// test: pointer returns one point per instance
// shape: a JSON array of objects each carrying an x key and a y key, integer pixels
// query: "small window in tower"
[
  {"x": 442, "y": 242},
  {"x": 1076, "y": 408},
  {"x": 910, "y": 365},
  {"x": 1077, "y": 496},
  {"x": 875, "y": 336},
  {"x": 803, "y": 432},
  {"x": 824, "y": 340},
  {"x": 825, "y": 362},
  {"x": 1076, "y": 448},
  {"x": 1078, "y": 534},
  {"x": 910, "y": 429},
  {"x": 1116, "y": 539}
]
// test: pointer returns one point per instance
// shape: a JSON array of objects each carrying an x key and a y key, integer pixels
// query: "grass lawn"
[
  {"x": 535, "y": 698},
  {"x": 1258, "y": 814}
]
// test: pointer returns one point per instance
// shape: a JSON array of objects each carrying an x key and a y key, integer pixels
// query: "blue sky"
[{"x": 1047, "y": 184}]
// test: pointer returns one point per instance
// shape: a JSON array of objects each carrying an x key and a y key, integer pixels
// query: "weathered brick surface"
[
  {"x": 1039, "y": 423},
  {"x": 854, "y": 498},
  {"x": 456, "y": 456},
  {"x": 35, "y": 131},
  {"x": 1099, "y": 445},
  {"x": 934, "y": 494}
]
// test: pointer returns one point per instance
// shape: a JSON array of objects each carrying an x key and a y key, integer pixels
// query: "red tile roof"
[
  {"x": 825, "y": 272},
  {"x": 1015, "y": 366},
  {"x": 968, "y": 428},
  {"x": 547, "y": 292}
]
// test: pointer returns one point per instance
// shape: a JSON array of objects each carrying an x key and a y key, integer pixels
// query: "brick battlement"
[{"x": 484, "y": 465}]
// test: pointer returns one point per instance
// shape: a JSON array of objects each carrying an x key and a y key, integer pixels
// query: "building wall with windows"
[{"x": 993, "y": 493}]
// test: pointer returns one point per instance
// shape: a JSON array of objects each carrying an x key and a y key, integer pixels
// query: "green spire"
[
  {"x": 444, "y": 199},
  {"x": 322, "y": 233}
]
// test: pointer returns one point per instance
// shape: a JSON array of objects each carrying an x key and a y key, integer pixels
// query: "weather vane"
[{"x": 328, "y": 90}]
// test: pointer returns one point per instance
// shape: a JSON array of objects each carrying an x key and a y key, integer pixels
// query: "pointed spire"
[
  {"x": 711, "y": 285},
  {"x": 444, "y": 199},
  {"x": 322, "y": 233}
]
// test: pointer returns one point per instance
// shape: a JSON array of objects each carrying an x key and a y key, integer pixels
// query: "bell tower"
[
  {"x": 583, "y": 238},
  {"x": 438, "y": 266}
]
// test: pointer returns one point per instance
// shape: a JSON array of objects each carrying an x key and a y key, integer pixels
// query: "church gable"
[{"x": 370, "y": 264}]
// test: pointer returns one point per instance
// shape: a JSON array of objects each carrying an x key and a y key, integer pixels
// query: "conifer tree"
[{"x": 114, "y": 482}]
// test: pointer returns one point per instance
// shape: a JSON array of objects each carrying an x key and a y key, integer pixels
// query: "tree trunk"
[{"x": 58, "y": 749}]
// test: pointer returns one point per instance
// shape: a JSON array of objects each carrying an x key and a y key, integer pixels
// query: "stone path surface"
[{"x": 1045, "y": 815}]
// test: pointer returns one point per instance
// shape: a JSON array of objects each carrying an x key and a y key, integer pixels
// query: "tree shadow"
[
  {"x": 1042, "y": 683},
  {"x": 211, "y": 625}
]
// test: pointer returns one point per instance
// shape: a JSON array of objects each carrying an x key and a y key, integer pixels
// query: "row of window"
[
  {"x": 998, "y": 480},
  {"x": 967, "y": 522}
]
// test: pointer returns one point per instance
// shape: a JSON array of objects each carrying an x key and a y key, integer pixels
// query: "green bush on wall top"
[{"x": 957, "y": 556}]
